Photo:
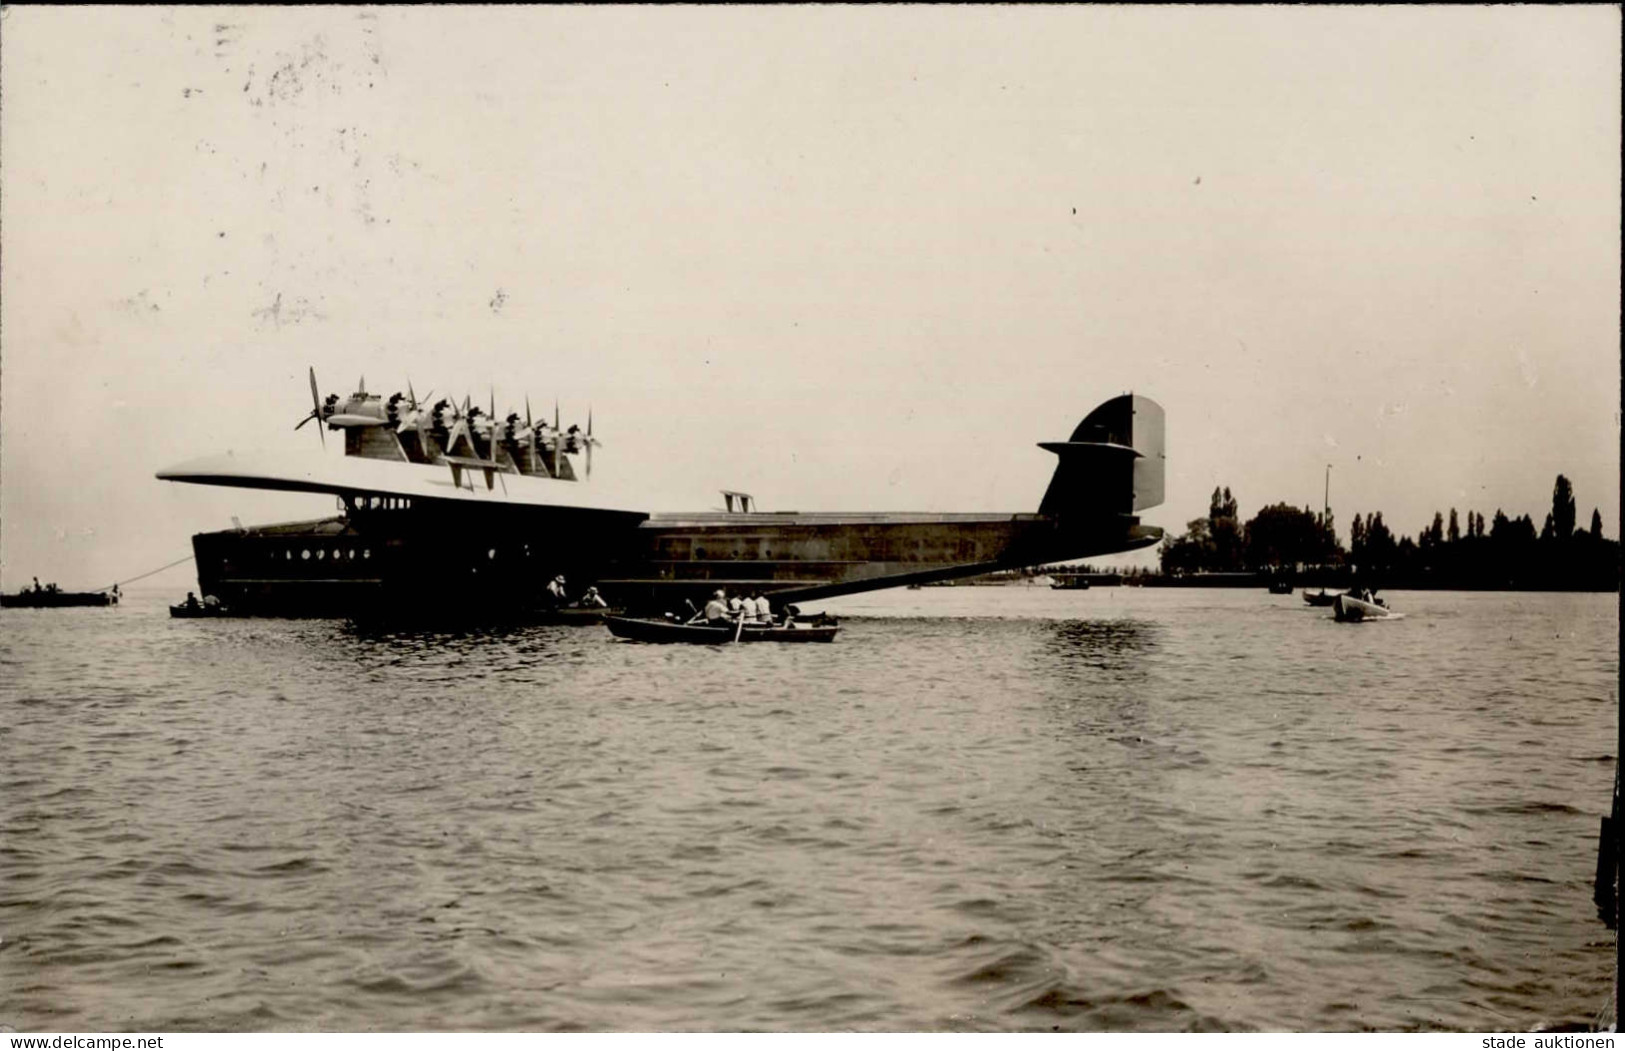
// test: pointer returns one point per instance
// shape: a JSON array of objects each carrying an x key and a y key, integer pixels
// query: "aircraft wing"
[{"x": 355, "y": 476}]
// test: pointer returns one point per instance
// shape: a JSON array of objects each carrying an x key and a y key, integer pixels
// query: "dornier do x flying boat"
[{"x": 483, "y": 511}]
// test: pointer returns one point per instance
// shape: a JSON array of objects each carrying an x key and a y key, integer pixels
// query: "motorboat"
[
  {"x": 1347, "y": 607},
  {"x": 1321, "y": 597},
  {"x": 196, "y": 609},
  {"x": 45, "y": 598}
]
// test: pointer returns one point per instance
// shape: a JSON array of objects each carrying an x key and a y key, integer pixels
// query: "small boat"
[
  {"x": 1068, "y": 582},
  {"x": 572, "y": 615},
  {"x": 641, "y": 629},
  {"x": 1281, "y": 587},
  {"x": 1320, "y": 598},
  {"x": 197, "y": 609},
  {"x": 1348, "y": 608},
  {"x": 43, "y": 598}
]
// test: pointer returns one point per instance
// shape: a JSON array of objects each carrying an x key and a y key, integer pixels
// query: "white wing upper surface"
[{"x": 351, "y": 475}]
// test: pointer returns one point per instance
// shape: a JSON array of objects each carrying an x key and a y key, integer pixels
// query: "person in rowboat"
[{"x": 715, "y": 612}]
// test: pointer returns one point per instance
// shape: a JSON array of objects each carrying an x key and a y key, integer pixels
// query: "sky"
[{"x": 844, "y": 258}]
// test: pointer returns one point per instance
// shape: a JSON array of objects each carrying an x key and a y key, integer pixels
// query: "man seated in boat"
[
  {"x": 555, "y": 591},
  {"x": 592, "y": 600},
  {"x": 1366, "y": 593},
  {"x": 191, "y": 600},
  {"x": 715, "y": 612},
  {"x": 211, "y": 602},
  {"x": 761, "y": 611}
]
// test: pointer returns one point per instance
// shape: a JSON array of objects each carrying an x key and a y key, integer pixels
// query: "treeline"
[{"x": 1462, "y": 551}]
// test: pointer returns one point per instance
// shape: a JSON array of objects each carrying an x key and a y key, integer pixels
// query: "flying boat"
[{"x": 487, "y": 509}]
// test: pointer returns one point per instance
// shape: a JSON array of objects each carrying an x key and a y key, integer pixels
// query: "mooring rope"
[{"x": 148, "y": 573}]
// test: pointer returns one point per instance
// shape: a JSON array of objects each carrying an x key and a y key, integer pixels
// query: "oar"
[{"x": 740, "y": 629}]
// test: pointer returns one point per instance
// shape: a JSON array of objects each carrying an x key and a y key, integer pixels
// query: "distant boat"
[
  {"x": 1069, "y": 582},
  {"x": 44, "y": 598},
  {"x": 1281, "y": 587},
  {"x": 187, "y": 610},
  {"x": 640, "y": 629},
  {"x": 1320, "y": 598},
  {"x": 571, "y": 615},
  {"x": 1350, "y": 609}
]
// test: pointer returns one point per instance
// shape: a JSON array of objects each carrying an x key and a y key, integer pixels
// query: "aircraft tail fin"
[{"x": 1112, "y": 465}]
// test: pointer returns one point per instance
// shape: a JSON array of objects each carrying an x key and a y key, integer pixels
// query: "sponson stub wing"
[{"x": 360, "y": 476}]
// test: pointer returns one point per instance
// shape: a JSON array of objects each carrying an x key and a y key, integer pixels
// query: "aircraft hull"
[{"x": 421, "y": 561}]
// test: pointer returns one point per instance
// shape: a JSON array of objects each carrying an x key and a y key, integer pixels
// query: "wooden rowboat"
[
  {"x": 570, "y": 616},
  {"x": 640, "y": 629}
]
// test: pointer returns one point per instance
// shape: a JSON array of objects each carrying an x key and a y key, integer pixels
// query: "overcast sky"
[{"x": 844, "y": 258}]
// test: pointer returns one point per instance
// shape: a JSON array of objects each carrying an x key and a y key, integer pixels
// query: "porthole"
[
  {"x": 491, "y": 554},
  {"x": 288, "y": 554},
  {"x": 366, "y": 552},
  {"x": 305, "y": 554},
  {"x": 352, "y": 554},
  {"x": 321, "y": 553}
]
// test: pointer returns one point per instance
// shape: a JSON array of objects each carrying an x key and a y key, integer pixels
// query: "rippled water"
[{"x": 980, "y": 809}]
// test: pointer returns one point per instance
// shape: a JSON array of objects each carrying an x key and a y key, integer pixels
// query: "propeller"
[
  {"x": 496, "y": 430},
  {"x": 530, "y": 435},
  {"x": 315, "y": 409},
  {"x": 414, "y": 407},
  {"x": 590, "y": 441},
  {"x": 412, "y": 399}
]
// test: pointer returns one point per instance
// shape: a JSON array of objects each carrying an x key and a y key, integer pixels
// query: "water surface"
[{"x": 980, "y": 809}]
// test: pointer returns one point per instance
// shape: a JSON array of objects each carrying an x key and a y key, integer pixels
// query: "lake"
[{"x": 980, "y": 809}]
